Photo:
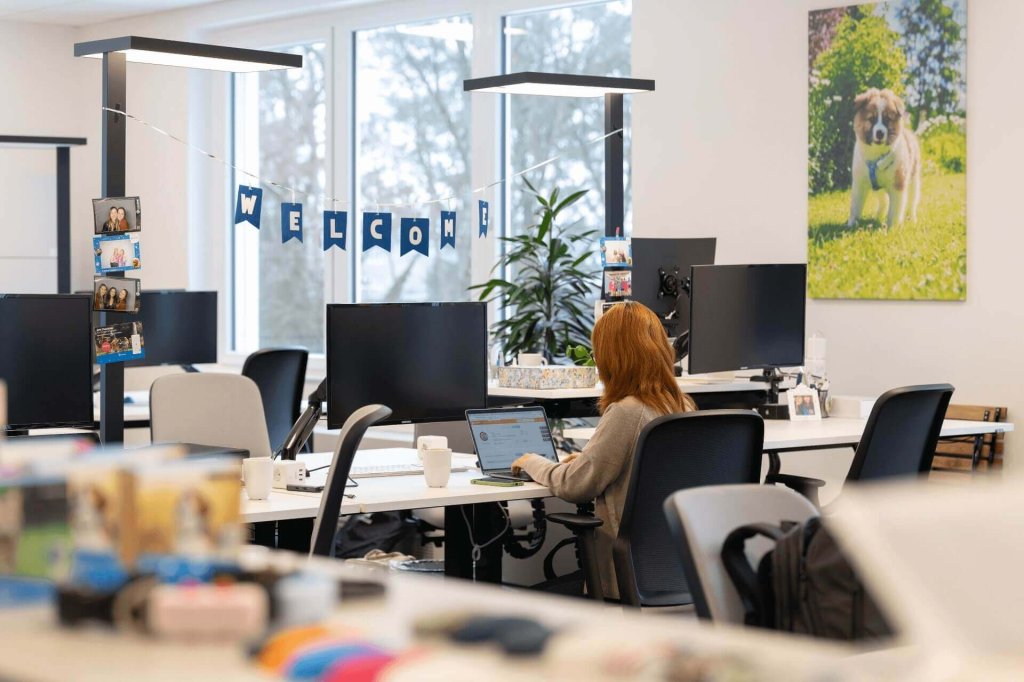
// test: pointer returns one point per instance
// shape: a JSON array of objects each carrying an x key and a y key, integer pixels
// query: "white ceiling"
[{"x": 85, "y": 12}]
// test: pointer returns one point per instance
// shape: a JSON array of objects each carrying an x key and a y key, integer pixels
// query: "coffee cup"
[
  {"x": 259, "y": 477},
  {"x": 429, "y": 442},
  {"x": 437, "y": 466},
  {"x": 531, "y": 360}
]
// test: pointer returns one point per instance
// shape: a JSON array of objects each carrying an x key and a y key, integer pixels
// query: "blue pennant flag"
[
  {"x": 485, "y": 217},
  {"x": 447, "y": 229},
  {"x": 249, "y": 205},
  {"x": 377, "y": 231},
  {"x": 291, "y": 222},
  {"x": 335, "y": 229},
  {"x": 415, "y": 235}
]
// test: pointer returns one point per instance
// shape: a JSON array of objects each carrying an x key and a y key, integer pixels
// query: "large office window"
[
  {"x": 413, "y": 143},
  {"x": 281, "y": 135},
  {"x": 591, "y": 39}
]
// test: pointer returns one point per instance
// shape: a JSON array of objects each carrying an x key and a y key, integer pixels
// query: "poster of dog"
[{"x": 887, "y": 166}]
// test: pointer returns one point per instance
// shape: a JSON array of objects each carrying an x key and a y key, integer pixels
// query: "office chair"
[
  {"x": 675, "y": 452},
  {"x": 701, "y": 518},
  {"x": 280, "y": 374},
  {"x": 222, "y": 410},
  {"x": 899, "y": 439},
  {"x": 325, "y": 527}
]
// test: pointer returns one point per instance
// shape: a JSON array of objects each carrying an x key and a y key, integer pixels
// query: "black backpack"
[{"x": 803, "y": 585}]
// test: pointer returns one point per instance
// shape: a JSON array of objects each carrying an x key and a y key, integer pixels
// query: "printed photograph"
[
  {"x": 116, "y": 253},
  {"x": 618, "y": 284},
  {"x": 616, "y": 252},
  {"x": 887, "y": 166},
  {"x": 120, "y": 343},
  {"x": 117, "y": 294},
  {"x": 117, "y": 214}
]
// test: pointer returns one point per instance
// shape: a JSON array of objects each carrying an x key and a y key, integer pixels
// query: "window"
[
  {"x": 281, "y": 134},
  {"x": 591, "y": 39},
  {"x": 413, "y": 142}
]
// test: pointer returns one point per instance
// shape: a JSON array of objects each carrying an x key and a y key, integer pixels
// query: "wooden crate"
[{"x": 954, "y": 457}]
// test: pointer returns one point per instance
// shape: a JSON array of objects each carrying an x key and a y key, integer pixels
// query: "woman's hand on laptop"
[{"x": 517, "y": 466}]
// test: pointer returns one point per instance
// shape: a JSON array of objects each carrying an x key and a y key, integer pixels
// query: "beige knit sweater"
[{"x": 600, "y": 473}]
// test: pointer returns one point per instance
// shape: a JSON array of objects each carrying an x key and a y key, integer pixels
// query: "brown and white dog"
[{"x": 886, "y": 157}]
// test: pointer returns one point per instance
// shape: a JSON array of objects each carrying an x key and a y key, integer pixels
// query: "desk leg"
[
  {"x": 293, "y": 534},
  {"x": 774, "y": 463},
  {"x": 486, "y": 522}
]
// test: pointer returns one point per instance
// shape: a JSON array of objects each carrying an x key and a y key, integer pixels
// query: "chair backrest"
[
  {"x": 325, "y": 527},
  {"x": 676, "y": 452},
  {"x": 223, "y": 410},
  {"x": 902, "y": 432},
  {"x": 280, "y": 374},
  {"x": 701, "y": 519},
  {"x": 460, "y": 439}
]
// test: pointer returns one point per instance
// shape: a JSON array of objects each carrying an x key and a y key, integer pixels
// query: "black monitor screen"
[
  {"x": 46, "y": 360},
  {"x": 660, "y": 269},
  {"x": 178, "y": 327},
  {"x": 747, "y": 316},
  {"x": 426, "y": 361}
]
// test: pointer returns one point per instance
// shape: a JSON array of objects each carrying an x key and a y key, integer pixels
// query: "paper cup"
[
  {"x": 437, "y": 466},
  {"x": 259, "y": 477}
]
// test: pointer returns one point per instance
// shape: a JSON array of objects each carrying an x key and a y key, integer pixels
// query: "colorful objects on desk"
[
  {"x": 547, "y": 377},
  {"x": 318, "y": 653}
]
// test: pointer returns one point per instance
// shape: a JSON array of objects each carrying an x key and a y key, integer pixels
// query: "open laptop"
[{"x": 503, "y": 435}]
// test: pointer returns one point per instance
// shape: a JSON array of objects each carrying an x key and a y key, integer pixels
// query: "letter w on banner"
[{"x": 249, "y": 205}]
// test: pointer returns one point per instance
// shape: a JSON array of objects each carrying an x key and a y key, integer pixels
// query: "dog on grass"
[{"x": 886, "y": 157}]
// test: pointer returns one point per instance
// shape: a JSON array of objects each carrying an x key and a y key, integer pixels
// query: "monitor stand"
[
  {"x": 773, "y": 377},
  {"x": 190, "y": 369}
]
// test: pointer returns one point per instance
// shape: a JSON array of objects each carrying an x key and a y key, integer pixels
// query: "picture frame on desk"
[{"x": 803, "y": 404}]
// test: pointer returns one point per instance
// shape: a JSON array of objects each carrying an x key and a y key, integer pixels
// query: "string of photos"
[{"x": 377, "y": 225}]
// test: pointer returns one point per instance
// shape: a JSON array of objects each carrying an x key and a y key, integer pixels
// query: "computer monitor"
[
  {"x": 46, "y": 360},
  {"x": 426, "y": 361},
  {"x": 178, "y": 327},
  {"x": 660, "y": 269},
  {"x": 747, "y": 317}
]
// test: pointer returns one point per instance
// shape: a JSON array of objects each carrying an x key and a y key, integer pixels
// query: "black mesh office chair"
[
  {"x": 325, "y": 527},
  {"x": 675, "y": 452},
  {"x": 280, "y": 374},
  {"x": 899, "y": 439}
]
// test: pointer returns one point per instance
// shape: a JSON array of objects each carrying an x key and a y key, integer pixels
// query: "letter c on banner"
[{"x": 375, "y": 228}]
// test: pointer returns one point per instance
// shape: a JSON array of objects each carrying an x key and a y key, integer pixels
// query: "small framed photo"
[
  {"x": 618, "y": 284},
  {"x": 116, "y": 294},
  {"x": 117, "y": 214},
  {"x": 803, "y": 404},
  {"x": 616, "y": 252},
  {"x": 119, "y": 343},
  {"x": 116, "y": 253}
]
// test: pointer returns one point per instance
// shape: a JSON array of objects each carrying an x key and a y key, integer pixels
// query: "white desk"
[{"x": 783, "y": 435}]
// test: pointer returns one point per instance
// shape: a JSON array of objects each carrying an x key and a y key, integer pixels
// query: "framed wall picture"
[{"x": 803, "y": 404}]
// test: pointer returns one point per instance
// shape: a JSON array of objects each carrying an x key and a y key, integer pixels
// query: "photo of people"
[
  {"x": 616, "y": 252},
  {"x": 618, "y": 284},
  {"x": 803, "y": 403},
  {"x": 117, "y": 214},
  {"x": 116, "y": 253},
  {"x": 119, "y": 343},
  {"x": 122, "y": 295}
]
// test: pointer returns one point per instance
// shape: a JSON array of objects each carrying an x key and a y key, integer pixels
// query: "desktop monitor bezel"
[
  {"x": 337, "y": 421},
  {"x": 766, "y": 365},
  {"x": 147, "y": 296},
  {"x": 87, "y": 379}
]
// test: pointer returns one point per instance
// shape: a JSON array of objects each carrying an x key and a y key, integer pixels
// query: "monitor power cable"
[{"x": 478, "y": 548}]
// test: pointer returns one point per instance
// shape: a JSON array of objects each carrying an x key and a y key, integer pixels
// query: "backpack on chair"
[{"x": 804, "y": 585}]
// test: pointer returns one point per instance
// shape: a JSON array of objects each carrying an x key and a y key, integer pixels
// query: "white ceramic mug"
[
  {"x": 531, "y": 360},
  {"x": 428, "y": 443},
  {"x": 259, "y": 477},
  {"x": 437, "y": 466}
]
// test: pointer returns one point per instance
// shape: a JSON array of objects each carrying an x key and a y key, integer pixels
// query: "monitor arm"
[{"x": 303, "y": 427}]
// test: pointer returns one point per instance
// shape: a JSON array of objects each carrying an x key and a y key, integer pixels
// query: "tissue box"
[
  {"x": 851, "y": 406},
  {"x": 547, "y": 377}
]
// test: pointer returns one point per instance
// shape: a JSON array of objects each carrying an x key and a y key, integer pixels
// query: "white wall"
[{"x": 720, "y": 149}]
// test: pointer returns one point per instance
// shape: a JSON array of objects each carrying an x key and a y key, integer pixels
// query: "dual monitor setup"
[
  {"x": 46, "y": 350},
  {"x": 426, "y": 361}
]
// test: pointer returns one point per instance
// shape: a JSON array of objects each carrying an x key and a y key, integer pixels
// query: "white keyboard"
[{"x": 404, "y": 469}]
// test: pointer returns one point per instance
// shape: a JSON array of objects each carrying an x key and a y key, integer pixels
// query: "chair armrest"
[
  {"x": 791, "y": 480},
  {"x": 575, "y": 522}
]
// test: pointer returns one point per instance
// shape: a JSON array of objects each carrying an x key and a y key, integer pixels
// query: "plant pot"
[{"x": 547, "y": 377}]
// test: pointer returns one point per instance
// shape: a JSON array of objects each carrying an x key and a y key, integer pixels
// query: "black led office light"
[
  {"x": 572, "y": 85},
  {"x": 116, "y": 53}
]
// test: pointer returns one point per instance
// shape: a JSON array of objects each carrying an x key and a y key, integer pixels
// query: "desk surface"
[
  {"x": 388, "y": 493},
  {"x": 688, "y": 384},
  {"x": 834, "y": 431}
]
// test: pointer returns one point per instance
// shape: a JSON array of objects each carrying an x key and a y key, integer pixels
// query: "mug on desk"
[
  {"x": 429, "y": 443},
  {"x": 437, "y": 466},
  {"x": 531, "y": 360},
  {"x": 259, "y": 476}
]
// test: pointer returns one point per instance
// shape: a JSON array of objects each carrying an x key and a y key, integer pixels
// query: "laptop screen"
[{"x": 502, "y": 436}]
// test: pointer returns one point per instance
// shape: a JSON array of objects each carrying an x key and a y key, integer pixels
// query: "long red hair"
[{"x": 634, "y": 359}]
